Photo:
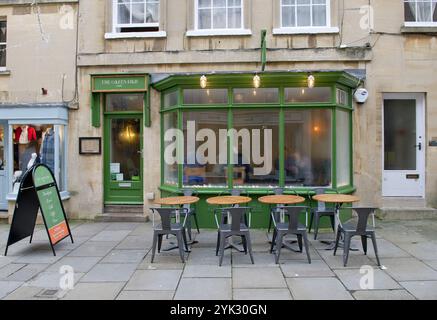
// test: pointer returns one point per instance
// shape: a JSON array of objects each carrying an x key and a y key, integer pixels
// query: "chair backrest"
[
  {"x": 293, "y": 213},
  {"x": 166, "y": 214},
  {"x": 237, "y": 216},
  {"x": 321, "y": 206},
  {"x": 278, "y": 191},
  {"x": 236, "y": 192},
  {"x": 363, "y": 217}
]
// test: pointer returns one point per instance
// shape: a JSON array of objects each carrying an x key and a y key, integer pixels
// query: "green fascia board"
[{"x": 268, "y": 79}]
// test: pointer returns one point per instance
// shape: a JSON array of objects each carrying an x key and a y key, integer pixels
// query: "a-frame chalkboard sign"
[{"x": 38, "y": 190}]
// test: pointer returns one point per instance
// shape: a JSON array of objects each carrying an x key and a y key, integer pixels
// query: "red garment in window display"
[
  {"x": 17, "y": 134},
  {"x": 31, "y": 134}
]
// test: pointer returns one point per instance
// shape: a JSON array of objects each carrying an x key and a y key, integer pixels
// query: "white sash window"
[
  {"x": 420, "y": 12},
  {"x": 136, "y": 15}
]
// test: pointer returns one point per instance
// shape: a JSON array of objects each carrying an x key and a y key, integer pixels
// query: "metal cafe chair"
[
  {"x": 360, "y": 228},
  {"x": 292, "y": 226},
  {"x": 191, "y": 213},
  {"x": 234, "y": 227},
  {"x": 167, "y": 227},
  {"x": 320, "y": 211},
  {"x": 276, "y": 191}
]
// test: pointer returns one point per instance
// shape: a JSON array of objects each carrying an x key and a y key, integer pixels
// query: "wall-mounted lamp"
[
  {"x": 203, "y": 82},
  {"x": 311, "y": 81},
  {"x": 256, "y": 81}
]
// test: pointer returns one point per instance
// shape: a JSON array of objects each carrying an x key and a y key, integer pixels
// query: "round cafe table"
[
  {"x": 229, "y": 201},
  {"x": 338, "y": 200},
  {"x": 177, "y": 201},
  {"x": 282, "y": 200}
]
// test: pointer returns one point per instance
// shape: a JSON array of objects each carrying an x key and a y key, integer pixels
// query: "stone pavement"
[{"x": 112, "y": 261}]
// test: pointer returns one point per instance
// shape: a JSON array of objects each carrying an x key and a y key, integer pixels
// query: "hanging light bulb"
[
  {"x": 203, "y": 82},
  {"x": 311, "y": 81},
  {"x": 256, "y": 81}
]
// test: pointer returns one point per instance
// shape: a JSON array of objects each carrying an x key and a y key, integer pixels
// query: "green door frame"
[{"x": 114, "y": 192}]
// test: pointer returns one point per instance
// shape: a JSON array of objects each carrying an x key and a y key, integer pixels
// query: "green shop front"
[
  {"x": 123, "y": 102},
  {"x": 308, "y": 118}
]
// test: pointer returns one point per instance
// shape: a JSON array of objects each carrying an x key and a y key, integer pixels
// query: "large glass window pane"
[
  {"x": 2, "y": 44},
  {"x": 308, "y": 147},
  {"x": 256, "y": 148},
  {"x": 205, "y": 96},
  {"x": 219, "y": 14},
  {"x": 125, "y": 102},
  {"x": 399, "y": 134},
  {"x": 260, "y": 95},
  {"x": 125, "y": 149},
  {"x": 170, "y": 121},
  {"x": 205, "y": 148},
  {"x": 171, "y": 99},
  {"x": 343, "y": 143},
  {"x": 304, "y": 95}
]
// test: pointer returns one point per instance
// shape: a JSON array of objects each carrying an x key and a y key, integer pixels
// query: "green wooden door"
[{"x": 123, "y": 160}]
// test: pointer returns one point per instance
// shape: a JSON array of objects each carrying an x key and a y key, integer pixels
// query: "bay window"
[
  {"x": 420, "y": 12},
  {"x": 283, "y": 135}
]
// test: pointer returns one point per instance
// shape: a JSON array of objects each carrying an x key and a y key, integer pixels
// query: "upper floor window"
[
  {"x": 136, "y": 15},
  {"x": 420, "y": 12},
  {"x": 3, "y": 30},
  {"x": 219, "y": 14},
  {"x": 305, "y": 13}
]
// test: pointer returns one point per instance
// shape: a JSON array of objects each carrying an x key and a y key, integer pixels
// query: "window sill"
[
  {"x": 65, "y": 195},
  {"x": 218, "y": 32},
  {"x": 308, "y": 30},
  {"x": 425, "y": 29},
  {"x": 4, "y": 72},
  {"x": 130, "y": 35}
]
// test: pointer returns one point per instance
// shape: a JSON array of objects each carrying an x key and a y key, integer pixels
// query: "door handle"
[{"x": 418, "y": 146}]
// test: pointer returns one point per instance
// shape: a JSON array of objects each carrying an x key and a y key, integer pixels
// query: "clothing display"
[
  {"x": 25, "y": 135},
  {"x": 47, "y": 153}
]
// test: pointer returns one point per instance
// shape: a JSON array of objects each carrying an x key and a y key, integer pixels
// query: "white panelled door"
[{"x": 403, "y": 145}]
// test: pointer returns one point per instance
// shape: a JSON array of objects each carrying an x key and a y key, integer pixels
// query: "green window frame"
[{"x": 333, "y": 80}]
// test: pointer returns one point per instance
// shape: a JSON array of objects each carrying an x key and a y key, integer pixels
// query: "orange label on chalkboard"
[{"x": 58, "y": 232}]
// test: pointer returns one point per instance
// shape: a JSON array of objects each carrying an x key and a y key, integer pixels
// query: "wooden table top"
[
  {"x": 228, "y": 200},
  {"x": 336, "y": 198},
  {"x": 281, "y": 199},
  {"x": 177, "y": 201}
]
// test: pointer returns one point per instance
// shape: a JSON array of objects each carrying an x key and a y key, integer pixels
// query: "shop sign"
[
  {"x": 128, "y": 83},
  {"x": 38, "y": 190}
]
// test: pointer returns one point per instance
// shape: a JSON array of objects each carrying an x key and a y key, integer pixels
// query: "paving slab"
[
  {"x": 318, "y": 289},
  {"x": 431, "y": 263},
  {"x": 421, "y": 250},
  {"x": 247, "y": 278},
  {"x": 301, "y": 268},
  {"x": 204, "y": 289},
  {"x": 136, "y": 242},
  {"x": 382, "y": 295},
  {"x": 39, "y": 256},
  {"x": 164, "y": 261},
  {"x": 145, "y": 295},
  {"x": 93, "y": 249},
  {"x": 353, "y": 279},
  {"x": 423, "y": 290},
  {"x": 206, "y": 256},
  {"x": 79, "y": 264},
  {"x": 113, "y": 272},
  {"x": 116, "y": 226},
  {"x": 405, "y": 269},
  {"x": 28, "y": 272},
  {"x": 240, "y": 260},
  {"x": 206, "y": 271},
  {"x": 262, "y": 294},
  {"x": 26, "y": 293},
  {"x": 94, "y": 291},
  {"x": 6, "y": 287},
  {"x": 6, "y": 260},
  {"x": 89, "y": 229},
  {"x": 9, "y": 269},
  {"x": 110, "y": 235},
  {"x": 386, "y": 249},
  {"x": 125, "y": 256},
  {"x": 160, "y": 280},
  {"x": 356, "y": 259}
]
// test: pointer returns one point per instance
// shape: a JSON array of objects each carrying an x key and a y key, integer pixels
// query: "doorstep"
[
  {"x": 122, "y": 213},
  {"x": 405, "y": 213}
]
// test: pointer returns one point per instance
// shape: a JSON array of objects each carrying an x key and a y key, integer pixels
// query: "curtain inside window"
[
  {"x": 140, "y": 12},
  {"x": 423, "y": 11}
]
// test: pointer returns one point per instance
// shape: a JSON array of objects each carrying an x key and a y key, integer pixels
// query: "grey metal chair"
[
  {"x": 360, "y": 228},
  {"x": 292, "y": 226},
  {"x": 191, "y": 213},
  {"x": 320, "y": 211},
  {"x": 166, "y": 227},
  {"x": 276, "y": 191},
  {"x": 235, "y": 227}
]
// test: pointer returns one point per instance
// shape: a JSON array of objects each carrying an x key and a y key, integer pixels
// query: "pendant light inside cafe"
[{"x": 311, "y": 81}]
